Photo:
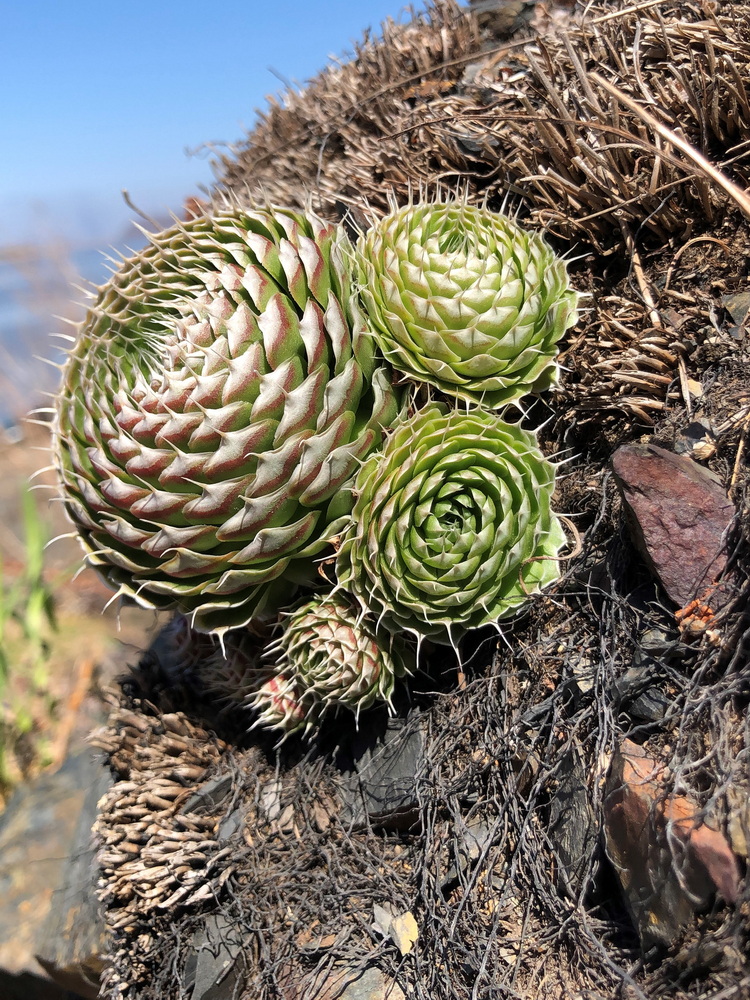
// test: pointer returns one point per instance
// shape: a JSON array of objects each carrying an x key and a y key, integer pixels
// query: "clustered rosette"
[
  {"x": 228, "y": 421},
  {"x": 278, "y": 705},
  {"x": 219, "y": 399},
  {"x": 337, "y": 656},
  {"x": 465, "y": 300},
  {"x": 452, "y": 528}
]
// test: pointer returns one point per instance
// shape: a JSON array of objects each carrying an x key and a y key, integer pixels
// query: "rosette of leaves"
[
  {"x": 222, "y": 392},
  {"x": 452, "y": 528},
  {"x": 466, "y": 300},
  {"x": 338, "y": 657}
]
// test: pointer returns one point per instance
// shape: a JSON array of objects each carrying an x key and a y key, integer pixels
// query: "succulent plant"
[
  {"x": 220, "y": 397},
  {"x": 452, "y": 528},
  {"x": 466, "y": 300},
  {"x": 337, "y": 656},
  {"x": 279, "y": 705}
]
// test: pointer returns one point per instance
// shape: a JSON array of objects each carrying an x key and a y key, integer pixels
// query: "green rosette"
[
  {"x": 452, "y": 528},
  {"x": 338, "y": 656},
  {"x": 465, "y": 300}
]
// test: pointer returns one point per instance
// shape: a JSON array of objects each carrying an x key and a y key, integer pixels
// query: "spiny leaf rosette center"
[
  {"x": 338, "y": 657},
  {"x": 452, "y": 528},
  {"x": 466, "y": 300},
  {"x": 222, "y": 393}
]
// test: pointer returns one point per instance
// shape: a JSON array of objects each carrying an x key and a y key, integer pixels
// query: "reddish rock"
[
  {"x": 679, "y": 515},
  {"x": 711, "y": 851},
  {"x": 668, "y": 861}
]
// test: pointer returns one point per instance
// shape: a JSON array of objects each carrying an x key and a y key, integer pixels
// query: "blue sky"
[{"x": 100, "y": 96}]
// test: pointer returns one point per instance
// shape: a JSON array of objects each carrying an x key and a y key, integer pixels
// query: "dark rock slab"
[
  {"x": 72, "y": 941},
  {"x": 216, "y": 963},
  {"x": 378, "y": 781},
  {"x": 679, "y": 515},
  {"x": 668, "y": 861},
  {"x": 573, "y": 831},
  {"x": 28, "y": 986},
  {"x": 697, "y": 440},
  {"x": 471, "y": 841},
  {"x": 737, "y": 305},
  {"x": 47, "y": 877},
  {"x": 643, "y": 701},
  {"x": 211, "y": 794},
  {"x": 640, "y": 690}
]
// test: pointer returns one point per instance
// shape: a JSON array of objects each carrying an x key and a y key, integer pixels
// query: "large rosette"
[{"x": 222, "y": 393}]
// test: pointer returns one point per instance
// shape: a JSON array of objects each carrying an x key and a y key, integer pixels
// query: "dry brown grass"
[{"x": 577, "y": 130}]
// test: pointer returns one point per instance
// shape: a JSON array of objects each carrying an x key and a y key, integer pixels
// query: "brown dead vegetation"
[{"x": 625, "y": 133}]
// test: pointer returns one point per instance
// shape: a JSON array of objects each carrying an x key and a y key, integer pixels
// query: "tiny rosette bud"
[
  {"x": 339, "y": 657},
  {"x": 279, "y": 705},
  {"x": 452, "y": 528},
  {"x": 466, "y": 300},
  {"x": 222, "y": 393}
]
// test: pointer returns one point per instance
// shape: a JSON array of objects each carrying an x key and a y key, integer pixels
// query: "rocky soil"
[{"x": 563, "y": 811}]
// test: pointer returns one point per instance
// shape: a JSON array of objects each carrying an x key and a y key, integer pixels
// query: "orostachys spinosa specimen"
[
  {"x": 465, "y": 300},
  {"x": 338, "y": 656},
  {"x": 221, "y": 395},
  {"x": 453, "y": 528},
  {"x": 232, "y": 444}
]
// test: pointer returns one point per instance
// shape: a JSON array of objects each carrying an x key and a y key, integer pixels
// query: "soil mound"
[{"x": 565, "y": 811}]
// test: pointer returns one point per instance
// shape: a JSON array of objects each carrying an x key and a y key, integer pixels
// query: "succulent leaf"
[
  {"x": 466, "y": 300},
  {"x": 220, "y": 397},
  {"x": 452, "y": 528}
]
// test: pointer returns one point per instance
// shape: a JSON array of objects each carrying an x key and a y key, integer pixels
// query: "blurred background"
[{"x": 98, "y": 99}]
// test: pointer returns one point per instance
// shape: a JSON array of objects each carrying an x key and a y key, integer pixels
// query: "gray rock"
[
  {"x": 697, "y": 440},
  {"x": 471, "y": 840},
  {"x": 73, "y": 940},
  {"x": 572, "y": 830},
  {"x": 210, "y": 795},
  {"x": 344, "y": 984},
  {"x": 637, "y": 692},
  {"x": 738, "y": 306},
  {"x": 649, "y": 706},
  {"x": 216, "y": 964},
  {"x": 48, "y": 912},
  {"x": 380, "y": 787},
  {"x": 372, "y": 984}
]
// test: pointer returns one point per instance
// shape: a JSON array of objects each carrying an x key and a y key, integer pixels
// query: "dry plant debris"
[
  {"x": 535, "y": 122},
  {"x": 501, "y": 862}
]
